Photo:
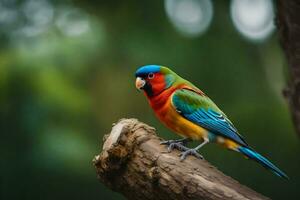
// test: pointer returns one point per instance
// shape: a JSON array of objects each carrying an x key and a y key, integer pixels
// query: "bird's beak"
[{"x": 140, "y": 83}]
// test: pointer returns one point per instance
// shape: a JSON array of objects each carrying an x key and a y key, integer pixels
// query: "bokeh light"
[
  {"x": 39, "y": 15},
  {"x": 254, "y": 19},
  {"x": 35, "y": 18},
  {"x": 190, "y": 17},
  {"x": 72, "y": 22},
  {"x": 9, "y": 16}
]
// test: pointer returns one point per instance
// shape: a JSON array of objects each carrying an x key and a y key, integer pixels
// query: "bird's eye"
[{"x": 150, "y": 75}]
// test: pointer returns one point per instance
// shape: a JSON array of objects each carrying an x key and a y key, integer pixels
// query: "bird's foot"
[
  {"x": 192, "y": 152},
  {"x": 176, "y": 144},
  {"x": 183, "y": 141},
  {"x": 179, "y": 146}
]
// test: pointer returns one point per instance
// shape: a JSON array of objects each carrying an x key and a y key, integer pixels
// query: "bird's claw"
[
  {"x": 192, "y": 152},
  {"x": 183, "y": 141},
  {"x": 178, "y": 146},
  {"x": 175, "y": 144}
]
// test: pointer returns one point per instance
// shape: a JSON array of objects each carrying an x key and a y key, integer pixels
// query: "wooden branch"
[
  {"x": 288, "y": 24},
  {"x": 135, "y": 164}
]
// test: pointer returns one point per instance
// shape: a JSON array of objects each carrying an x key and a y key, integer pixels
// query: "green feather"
[
  {"x": 201, "y": 110},
  {"x": 193, "y": 101}
]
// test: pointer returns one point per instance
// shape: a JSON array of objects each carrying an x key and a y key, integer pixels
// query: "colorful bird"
[{"x": 186, "y": 110}]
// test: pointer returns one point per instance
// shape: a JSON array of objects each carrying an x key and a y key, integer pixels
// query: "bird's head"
[{"x": 154, "y": 79}]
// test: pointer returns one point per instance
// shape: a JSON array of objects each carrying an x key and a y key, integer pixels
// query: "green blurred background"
[{"x": 67, "y": 73}]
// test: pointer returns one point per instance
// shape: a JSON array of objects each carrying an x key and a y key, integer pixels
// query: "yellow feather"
[{"x": 183, "y": 127}]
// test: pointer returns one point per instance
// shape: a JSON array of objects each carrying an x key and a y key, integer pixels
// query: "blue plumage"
[
  {"x": 262, "y": 160},
  {"x": 215, "y": 123},
  {"x": 147, "y": 69}
]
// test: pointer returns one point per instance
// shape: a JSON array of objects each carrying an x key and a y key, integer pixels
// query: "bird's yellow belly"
[{"x": 173, "y": 120}]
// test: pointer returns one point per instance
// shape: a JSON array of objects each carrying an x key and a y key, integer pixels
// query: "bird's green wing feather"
[{"x": 201, "y": 110}]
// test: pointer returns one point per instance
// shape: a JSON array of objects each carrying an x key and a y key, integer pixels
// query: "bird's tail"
[{"x": 250, "y": 153}]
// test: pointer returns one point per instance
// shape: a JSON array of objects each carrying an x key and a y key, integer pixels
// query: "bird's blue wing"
[{"x": 202, "y": 111}]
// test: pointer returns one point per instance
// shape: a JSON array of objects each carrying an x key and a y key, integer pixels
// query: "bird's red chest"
[
  {"x": 160, "y": 103},
  {"x": 162, "y": 106}
]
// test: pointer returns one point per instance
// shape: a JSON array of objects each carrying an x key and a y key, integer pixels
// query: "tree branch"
[
  {"x": 288, "y": 24},
  {"x": 134, "y": 163}
]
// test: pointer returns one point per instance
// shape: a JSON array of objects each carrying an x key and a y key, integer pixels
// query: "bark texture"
[
  {"x": 134, "y": 163},
  {"x": 288, "y": 24}
]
